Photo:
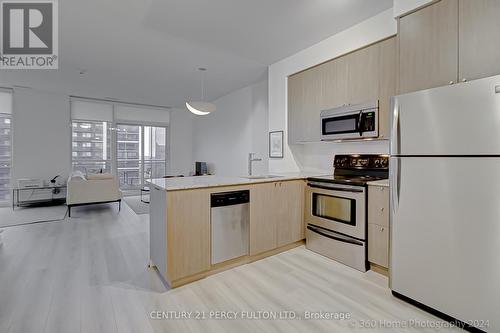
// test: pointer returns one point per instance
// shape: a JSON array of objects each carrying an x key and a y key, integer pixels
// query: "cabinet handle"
[
  {"x": 381, "y": 228},
  {"x": 382, "y": 209},
  {"x": 451, "y": 82},
  {"x": 464, "y": 80}
]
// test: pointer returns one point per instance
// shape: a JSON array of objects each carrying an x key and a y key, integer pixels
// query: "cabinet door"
[
  {"x": 305, "y": 105},
  {"x": 158, "y": 228},
  {"x": 263, "y": 216},
  {"x": 188, "y": 233},
  {"x": 290, "y": 209},
  {"x": 378, "y": 245},
  {"x": 363, "y": 75},
  {"x": 479, "y": 32},
  {"x": 378, "y": 205},
  {"x": 386, "y": 83},
  {"x": 428, "y": 47},
  {"x": 296, "y": 111},
  {"x": 334, "y": 87}
]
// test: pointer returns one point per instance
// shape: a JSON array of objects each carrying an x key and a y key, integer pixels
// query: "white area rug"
[
  {"x": 137, "y": 205},
  {"x": 27, "y": 215}
]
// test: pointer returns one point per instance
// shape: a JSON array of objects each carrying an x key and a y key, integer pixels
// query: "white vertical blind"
[
  {"x": 5, "y": 101},
  {"x": 98, "y": 111}
]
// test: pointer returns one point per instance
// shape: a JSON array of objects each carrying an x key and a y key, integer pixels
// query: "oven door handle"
[
  {"x": 334, "y": 188},
  {"x": 334, "y": 235}
]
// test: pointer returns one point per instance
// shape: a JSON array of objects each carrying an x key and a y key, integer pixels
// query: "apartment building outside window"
[
  {"x": 91, "y": 146},
  {"x": 5, "y": 145},
  {"x": 141, "y": 154}
]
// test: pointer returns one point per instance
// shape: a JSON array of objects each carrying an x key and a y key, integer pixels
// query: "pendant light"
[{"x": 201, "y": 108}]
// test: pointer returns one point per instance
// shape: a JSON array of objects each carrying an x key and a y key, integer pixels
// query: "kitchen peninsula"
[{"x": 181, "y": 223}]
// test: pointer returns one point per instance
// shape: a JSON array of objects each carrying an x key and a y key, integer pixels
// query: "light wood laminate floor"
[{"x": 89, "y": 274}]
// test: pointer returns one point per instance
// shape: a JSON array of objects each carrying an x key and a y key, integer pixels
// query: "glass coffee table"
[{"x": 25, "y": 196}]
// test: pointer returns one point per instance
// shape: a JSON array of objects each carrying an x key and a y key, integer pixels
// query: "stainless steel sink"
[{"x": 261, "y": 177}]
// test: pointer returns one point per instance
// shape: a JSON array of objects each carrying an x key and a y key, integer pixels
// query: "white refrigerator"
[{"x": 445, "y": 201}]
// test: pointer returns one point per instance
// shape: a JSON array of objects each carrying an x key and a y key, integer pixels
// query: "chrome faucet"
[{"x": 252, "y": 159}]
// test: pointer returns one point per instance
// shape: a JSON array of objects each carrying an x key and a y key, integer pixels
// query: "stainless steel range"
[{"x": 336, "y": 208}]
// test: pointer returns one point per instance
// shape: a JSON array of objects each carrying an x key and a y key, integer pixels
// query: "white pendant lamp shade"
[{"x": 201, "y": 108}]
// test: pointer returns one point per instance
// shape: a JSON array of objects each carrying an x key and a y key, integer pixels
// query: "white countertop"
[
  {"x": 382, "y": 182},
  {"x": 186, "y": 183}
]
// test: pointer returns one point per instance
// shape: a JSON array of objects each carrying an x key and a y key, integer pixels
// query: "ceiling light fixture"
[{"x": 201, "y": 108}]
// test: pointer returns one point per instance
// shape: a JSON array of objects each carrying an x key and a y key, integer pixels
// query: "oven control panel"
[{"x": 361, "y": 162}]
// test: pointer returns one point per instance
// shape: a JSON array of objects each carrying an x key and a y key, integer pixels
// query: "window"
[
  {"x": 119, "y": 138},
  {"x": 5, "y": 156},
  {"x": 5, "y": 145},
  {"x": 91, "y": 146},
  {"x": 141, "y": 154}
]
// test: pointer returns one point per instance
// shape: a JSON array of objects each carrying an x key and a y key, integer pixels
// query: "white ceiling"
[{"x": 148, "y": 51}]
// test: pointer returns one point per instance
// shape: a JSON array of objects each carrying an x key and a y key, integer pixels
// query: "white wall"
[
  {"x": 238, "y": 127},
  {"x": 181, "y": 143},
  {"x": 41, "y": 135},
  {"x": 319, "y": 156},
  {"x": 402, "y": 7}
]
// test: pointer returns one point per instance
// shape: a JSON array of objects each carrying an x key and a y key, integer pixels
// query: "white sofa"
[{"x": 92, "y": 189}]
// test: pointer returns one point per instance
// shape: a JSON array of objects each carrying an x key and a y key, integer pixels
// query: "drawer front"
[
  {"x": 378, "y": 205},
  {"x": 352, "y": 254},
  {"x": 378, "y": 245}
]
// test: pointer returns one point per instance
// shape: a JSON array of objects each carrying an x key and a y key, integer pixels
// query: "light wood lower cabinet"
[
  {"x": 378, "y": 245},
  {"x": 180, "y": 231},
  {"x": 378, "y": 205},
  {"x": 276, "y": 215},
  {"x": 290, "y": 219},
  {"x": 188, "y": 233},
  {"x": 378, "y": 225},
  {"x": 263, "y": 217}
]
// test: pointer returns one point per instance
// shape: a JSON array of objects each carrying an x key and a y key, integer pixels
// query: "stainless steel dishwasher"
[{"x": 230, "y": 219}]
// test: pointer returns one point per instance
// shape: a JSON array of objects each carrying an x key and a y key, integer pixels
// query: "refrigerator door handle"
[
  {"x": 395, "y": 135},
  {"x": 395, "y": 183}
]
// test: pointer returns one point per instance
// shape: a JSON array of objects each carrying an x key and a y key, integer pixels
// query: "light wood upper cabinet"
[
  {"x": 304, "y": 105},
  {"x": 188, "y": 233},
  {"x": 362, "y": 76},
  {"x": 290, "y": 220},
  {"x": 296, "y": 110},
  {"x": 386, "y": 83},
  {"x": 428, "y": 47},
  {"x": 479, "y": 31},
  {"x": 334, "y": 85},
  {"x": 263, "y": 216}
]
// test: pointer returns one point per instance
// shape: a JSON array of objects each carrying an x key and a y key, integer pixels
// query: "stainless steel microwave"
[{"x": 350, "y": 122}]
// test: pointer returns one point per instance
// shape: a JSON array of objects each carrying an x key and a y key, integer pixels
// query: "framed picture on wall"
[{"x": 276, "y": 144}]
